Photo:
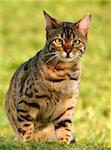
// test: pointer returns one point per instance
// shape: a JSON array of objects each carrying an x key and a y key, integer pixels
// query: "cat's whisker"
[
  {"x": 50, "y": 59},
  {"x": 85, "y": 61},
  {"x": 50, "y": 53},
  {"x": 55, "y": 62}
]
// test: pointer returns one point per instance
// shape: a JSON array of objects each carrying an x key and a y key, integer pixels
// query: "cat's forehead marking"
[
  {"x": 67, "y": 24},
  {"x": 68, "y": 30}
]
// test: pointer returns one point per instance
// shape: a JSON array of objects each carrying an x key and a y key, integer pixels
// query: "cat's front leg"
[
  {"x": 63, "y": 132},
  {"x": 63, "y": 127}
]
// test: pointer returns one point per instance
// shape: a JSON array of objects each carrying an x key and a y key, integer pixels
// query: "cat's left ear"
[
  {"x": 51, "y": 22},
  {"x": 83, "y": 24}
]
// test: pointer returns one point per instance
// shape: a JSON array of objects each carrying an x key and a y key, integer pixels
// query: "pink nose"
[{"x": 67, "y": 50}]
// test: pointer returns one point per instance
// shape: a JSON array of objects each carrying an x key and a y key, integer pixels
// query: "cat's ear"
[
  {"x": 51, "y": 22},
  {"x": 83, "y": 24}
]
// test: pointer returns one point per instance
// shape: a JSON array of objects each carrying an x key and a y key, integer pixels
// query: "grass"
[
  {"x": 31, "y": 145},
  {"x": 22, "y": 34},
  {"x": 12, "y": 145}
]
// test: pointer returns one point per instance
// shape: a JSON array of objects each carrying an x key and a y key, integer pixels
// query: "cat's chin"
[{"x": 67, "y": 59}]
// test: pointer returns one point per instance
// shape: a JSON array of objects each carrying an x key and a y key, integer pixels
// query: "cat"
[{"x": 44, "y": 90}]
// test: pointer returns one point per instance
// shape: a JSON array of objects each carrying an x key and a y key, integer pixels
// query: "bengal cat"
[{"x": 44, "y": 90}]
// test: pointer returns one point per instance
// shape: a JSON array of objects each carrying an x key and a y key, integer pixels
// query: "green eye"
[
  {"x": 59, "y": 42},
  {"x": 76, "y": 42}
]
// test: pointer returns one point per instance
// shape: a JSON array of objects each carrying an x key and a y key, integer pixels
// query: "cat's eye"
[
  {"x": 59, "y": 42},
  {"x": 76, "y": 42}
]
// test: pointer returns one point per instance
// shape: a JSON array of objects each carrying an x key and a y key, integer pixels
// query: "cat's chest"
[
  {"x": 65, "y": 88},
  {"x": 64, "y": 82}
]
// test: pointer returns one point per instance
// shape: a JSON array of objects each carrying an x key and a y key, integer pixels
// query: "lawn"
[{"x": 22, "y": 34}]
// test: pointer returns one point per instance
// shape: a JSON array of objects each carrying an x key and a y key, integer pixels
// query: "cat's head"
[{"x": 66, "y": 40}]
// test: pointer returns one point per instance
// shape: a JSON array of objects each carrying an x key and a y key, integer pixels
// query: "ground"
[{"x": 22, "y": 34}]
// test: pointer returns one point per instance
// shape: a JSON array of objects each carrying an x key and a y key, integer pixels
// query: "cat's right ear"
[
  {"x": 51, "y": 23},
  {"x": 83, "y": 24}
]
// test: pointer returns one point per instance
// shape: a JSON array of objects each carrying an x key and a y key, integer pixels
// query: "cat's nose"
[{"x": 67, "y": 51}]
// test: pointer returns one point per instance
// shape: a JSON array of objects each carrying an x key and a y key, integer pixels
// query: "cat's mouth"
[{"x": 67, "y": 57}]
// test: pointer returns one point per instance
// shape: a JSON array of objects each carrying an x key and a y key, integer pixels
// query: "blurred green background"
[{"x": 22, "y": 34}]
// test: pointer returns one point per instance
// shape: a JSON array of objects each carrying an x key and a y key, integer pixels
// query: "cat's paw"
[
  {"x": 72, "y": 139},
  {"x": 69, "y": 138}
]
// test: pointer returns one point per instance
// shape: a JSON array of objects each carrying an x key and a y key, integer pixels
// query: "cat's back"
[
  {"x": 19, "y": 78},
  {"x": 24, "y": 71}
]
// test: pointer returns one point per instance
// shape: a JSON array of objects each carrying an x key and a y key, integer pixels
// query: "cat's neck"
[
  {"x": 66, "y": 65},
  {"x": 62, "y": 71}
]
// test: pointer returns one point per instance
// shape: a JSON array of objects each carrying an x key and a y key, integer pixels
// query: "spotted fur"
[{"x": 44, "y": 90}]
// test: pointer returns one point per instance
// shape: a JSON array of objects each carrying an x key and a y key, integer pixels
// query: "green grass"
[
  {"x": 22, "y": 34},
  {"x": 31, "y": 145}
]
